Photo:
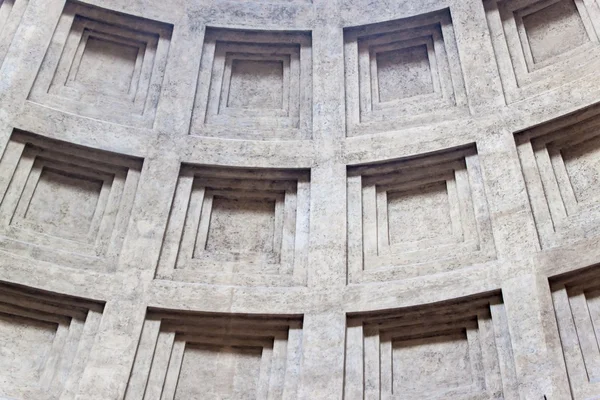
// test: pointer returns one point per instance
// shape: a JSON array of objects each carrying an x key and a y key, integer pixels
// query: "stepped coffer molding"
[
  {"x": 96, "y": 61},
  {"x": 238, "y": 226},
  {"x": 46, "y": 342},
  {"x": 183, "y": 356},
  {"x": 402, "y": 72},
  {"x": 254, "y": 85},
  {"x": 543, "y": 43},
  {"x": 575, "y": 298},
  {"x": 559, "y": 162},
  {"x": 389, "y": 355},
  {"x": 299, "y": 199},
  {"x": 415, "y": 216},
  {"x": 65, "y": 204}
]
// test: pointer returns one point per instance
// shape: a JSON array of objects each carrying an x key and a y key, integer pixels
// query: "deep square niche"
[
  {"x": 417, "y": 216},
  {"x": 553, "y": 30},
  {"x": 65, "y": 204},
  {"x": 104, "y": 65},
  {"x": 46, "y": 342},
  {"x": 77, "y": 198},
  {"x": 412, "y": 208},
  {"x": 254, "y": 85},
  {"x": 576, "y": 300},
  {"x": 560, "y": 161},
  {"x": 234, "y": 226},
  {"x": 217, "y": 356},
  {"x": 207, "y": 369},
  {"x": 402, "y": 72},
  {"x": 542, "y": 43},
  {"x": 458, "y": 349},
  {"x": 451, "y": 372},
  {"x": 242, "y": 225}
]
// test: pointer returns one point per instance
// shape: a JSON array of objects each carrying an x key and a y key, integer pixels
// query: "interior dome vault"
[{"x": 299, "y": 199}]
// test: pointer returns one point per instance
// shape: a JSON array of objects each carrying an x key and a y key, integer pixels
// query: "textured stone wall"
[{"x": 299, "y": 199}]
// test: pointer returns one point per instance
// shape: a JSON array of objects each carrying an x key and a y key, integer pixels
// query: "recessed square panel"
[
  {"x": 241, "y": 225},
  {"x": 554, "y": 30},
  {"x": 46, "y": 341},
  {"x": 542, "y": 43},
  {"x": 560, "y": 161},
  {"x": 452, "y": 350},
  {"x": 417, "y": 216},
  {"x": 217, "y": 371},
  {"x": 401, "y": 73},
  {"x": 27, "y": 343},
  {"x": 215, "y": 356},
  {"x": 576, "y": 298},
  {"x": 254, "y": 85},
  {"x": 104, "y": 65},
  {"x": 414, "y": 371},
  {"x": 65, "y": 204},
  {"x": 237, "y": 224},
  {"x": 107, "y": 64},
  {"x": 233, "y": 226}
]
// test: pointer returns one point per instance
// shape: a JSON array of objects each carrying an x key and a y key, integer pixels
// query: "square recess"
[
  {"x": 262, "y": 80},
  {"x": 560, "y": 162},
  {"x": 212, "y": 356},
  {"x": 11, "y": 12},
  {"x": 46, "y": 342},
  {"x": 576, "y": 298},
  {"x": 65, "y": 204},
  {"x": 234, "y": 226},
  {"x": 417, "y": 216},
  {"x": 541, "y": 44},
  {"x": 403, "y": 71},
  {"x": 453, "y": 350},
  {"x": 254, "y": 85},
  {"x": 105, "y": 65}
]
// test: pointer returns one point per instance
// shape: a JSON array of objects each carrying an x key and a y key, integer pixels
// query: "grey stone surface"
[{"x": 299, "y": 199}]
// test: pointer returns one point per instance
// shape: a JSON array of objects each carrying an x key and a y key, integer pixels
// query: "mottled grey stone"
[{"x": 299, "y": 199}]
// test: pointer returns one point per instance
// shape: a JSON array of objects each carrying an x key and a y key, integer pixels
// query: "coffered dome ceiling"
[{"x": 299, "y": 199}]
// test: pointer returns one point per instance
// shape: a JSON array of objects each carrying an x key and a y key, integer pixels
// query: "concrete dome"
[{"x": 299, "y": 199}]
